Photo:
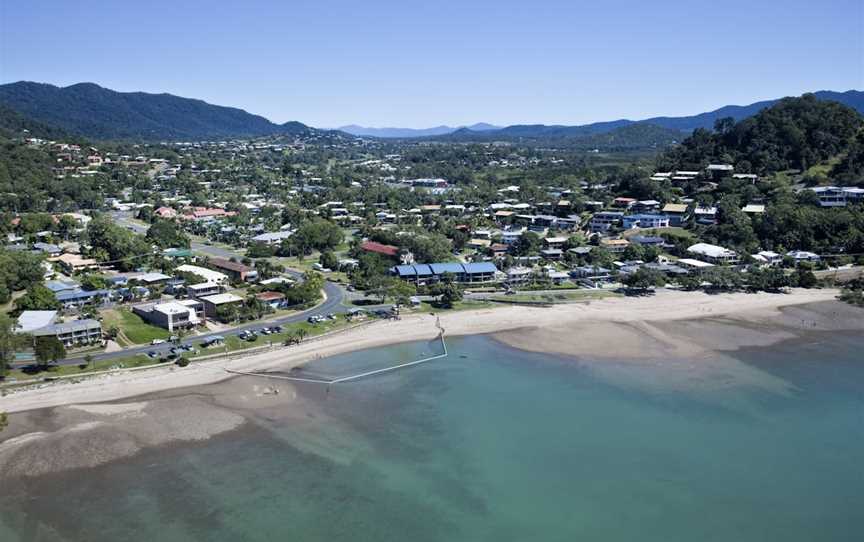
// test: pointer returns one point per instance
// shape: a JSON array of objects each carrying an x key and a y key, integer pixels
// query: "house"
[
  {"x": 272, "y": 238},
  {"x": 646, "y": 206},
  {"x": 753, "y": 209},
  {"x": 32, "y": 320},
  {"x": 768, "y": 257},
  {"x": 213, "y": 303},
  {"x": 508, "y": 237},
  {"x": 647, "y": 240},
  {"x": 713, "y": 253},
  {"x": 694, "y": 266},
  {"x": 171, "y": 315},
  {"x": 624, "y": 202},
  {"x": 74, "y": 333},
  {"x": 463, "y": 273},
  {"x": 803, "y": 256},
  {"x": 645, "y": 221},
  {"x": 79, "y": 298},
  {"x": 555, "y": 242},
  {"x": 677, "y": 213},
  {"x": 552, "y": 253},
  {"x": 275, "y": 300},
  {"x": 209, "y": 276},
  {"x": 47, "y": 324},
  {"x": 615, "y": 246},
  {"x": 604, "y": 221},
  {"x": 235, "y": 270},
  {"x": 838, "y": 196},
  {"x": 203, "y": 289},
  {"x": 48, "y": 248},
  {"x": 165, "y": 212},
  {"x": 706, "y": 215},
  {"x": 518, "y": 275},
  {"x": 592, "y": 272},
  {"x": 388, "y": 251},
  {"x": 73, "y": 262}
]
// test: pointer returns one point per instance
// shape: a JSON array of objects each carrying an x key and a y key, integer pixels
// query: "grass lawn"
[
  {"x": 132, "y": 327},
  {"x": 103, "y": 365},
  {"x": 234, "y": 343},
  {"x": 464, "y": 305}
]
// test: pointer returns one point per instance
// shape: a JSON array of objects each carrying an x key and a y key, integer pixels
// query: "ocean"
[{"x": 493, "y": 443}]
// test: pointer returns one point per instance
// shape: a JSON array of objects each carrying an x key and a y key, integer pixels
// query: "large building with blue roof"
[{"x": 428, "y": 273}]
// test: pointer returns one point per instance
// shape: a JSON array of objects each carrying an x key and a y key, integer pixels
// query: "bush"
[{"x": 182, "y": 361}]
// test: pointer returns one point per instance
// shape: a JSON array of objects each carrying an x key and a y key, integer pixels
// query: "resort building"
[
  {"x": 235, "y": 270},
  {"x": 713, "y": 253},
  {"x": 463, "y": 273},
  {"x": 212, "y": 303},
  {"x": 47, "y": 324},
  {"x": 172, "y": 315}
]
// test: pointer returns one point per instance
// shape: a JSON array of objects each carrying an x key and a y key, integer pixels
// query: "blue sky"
[{"x": 418, "y": 64}]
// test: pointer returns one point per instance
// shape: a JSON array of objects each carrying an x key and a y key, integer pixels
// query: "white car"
[{"x": 157, "y": 341}]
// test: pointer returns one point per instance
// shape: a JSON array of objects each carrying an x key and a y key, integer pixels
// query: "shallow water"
[{"x": 492, "y": 443}]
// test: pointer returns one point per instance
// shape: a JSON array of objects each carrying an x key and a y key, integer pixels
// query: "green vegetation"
[
  {"x": 167, "y": 234},
  {"x": 853, "y": 293},
  {"x": 795, "y": 133},
  {"x": 37, "y": 298},
  {"x": 109, "y": 242},
  {"x": 131, "y": 327},
  {"x": 18, "y": 271},
  {"x": 48, "y": 350}
]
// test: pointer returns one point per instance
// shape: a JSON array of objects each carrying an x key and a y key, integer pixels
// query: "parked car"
[
  {"x": 157, "y": 341},
  {"x": 152, "y": 354}
]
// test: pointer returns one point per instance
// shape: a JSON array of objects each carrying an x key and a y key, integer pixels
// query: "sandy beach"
[
  {"x": 666, "y": 324},
  {"x": 67, "y": 425}
]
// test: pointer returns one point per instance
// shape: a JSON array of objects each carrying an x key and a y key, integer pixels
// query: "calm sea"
[{"x": 495, "y": 444}]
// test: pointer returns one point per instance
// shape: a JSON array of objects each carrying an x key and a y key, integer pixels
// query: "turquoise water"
[{"x": 497, "y": 444}]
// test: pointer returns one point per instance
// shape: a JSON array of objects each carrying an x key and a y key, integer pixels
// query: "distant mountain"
[
  {"x": 851, "y": 98},
  {"x": 354, "y": 129},
  {"x": 100, "y": 113}
]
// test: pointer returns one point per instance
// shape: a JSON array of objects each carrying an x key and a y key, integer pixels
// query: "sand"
[
  {"x": 612, "y": 327},
  {"x": 69, "y": 425}
]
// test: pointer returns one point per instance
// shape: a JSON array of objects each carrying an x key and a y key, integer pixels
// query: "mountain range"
[
  {"x": 365, "y": 131},
  {"x": 86, "y": 109},
  {"x": 100, "y": 113}
]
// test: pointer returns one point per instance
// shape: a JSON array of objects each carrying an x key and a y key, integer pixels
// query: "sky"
[{"x": 419, "y": 64}]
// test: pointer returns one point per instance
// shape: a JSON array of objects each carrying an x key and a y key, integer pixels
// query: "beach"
[{"x": 667, "y": 323}]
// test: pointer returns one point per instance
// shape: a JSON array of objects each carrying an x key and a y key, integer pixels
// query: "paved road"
[{"x": 334, "y": 294}]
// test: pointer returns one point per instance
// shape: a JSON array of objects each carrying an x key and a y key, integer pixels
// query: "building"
[
  {"x": 604, "y": 221},
  {"x": 713, "y": 253},
  {"x": 518, "y": 275},
  {"x": 209, "y": 276},
  {"x": 275, "y": 300},
  {"x": 677, "y": 213},
  {"x": 203, "y": 289},
  {"x": 47, "y": 324},
  {"x": 838, "y": 196},
  {"x": 213, "y": 303},
  {"x": 463, "y": 273},
  {"x": 615, "y": 246},
  {"x": 173, "y": 314},
  {"x": 272, "y": 238},
  {"x": 73, "y": 262},
  {"x": 645, "y": 221},
  {"x": 79, "y": 298},
  {"x": 647, "y": 240},
  {"x": 235, "y": 270}
]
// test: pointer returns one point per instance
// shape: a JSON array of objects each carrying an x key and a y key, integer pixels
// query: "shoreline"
[{"x": 622, "y": 322}]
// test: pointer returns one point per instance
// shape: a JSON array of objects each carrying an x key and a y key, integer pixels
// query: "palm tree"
[{"x": 301, "y": 334}]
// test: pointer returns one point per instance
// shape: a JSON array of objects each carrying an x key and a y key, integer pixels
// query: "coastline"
[{"x": 614, "y": 327}]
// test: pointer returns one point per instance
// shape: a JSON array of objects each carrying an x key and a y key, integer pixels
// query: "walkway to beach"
[{"x": 357, "y": 376}]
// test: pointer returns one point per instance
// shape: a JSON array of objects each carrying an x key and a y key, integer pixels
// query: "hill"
[
  {"x": 100, "y": 113},
  {"x": 522, "y": 132},
  {"x": 794, "y": 133}
]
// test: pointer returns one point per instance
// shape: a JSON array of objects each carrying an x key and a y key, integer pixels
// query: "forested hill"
[
  {"x": 14, "y": 124},
  {"x": 100, "y": 113},
  {"x": 794, "y": 133},
  {"x": 671, "y": 125}
]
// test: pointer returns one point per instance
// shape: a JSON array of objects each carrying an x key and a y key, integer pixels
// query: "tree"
[
  {"x": 448, "y": 292},
  {"x": 328, "y": 260},
  {"x": 48, "y": 349},
  {"x": 92, "y": 281},
  {"x": 10, "y": 342},
  {"x": 88, "y": 360},
  {"x": 643, "y": 279},
  {"x": 528, "y": 243},
  {"x": 4, "y": 420},
  {"x": 166, "y": 234},
  {"x": 804, "y": 277},
  {"x": 37, "y": 298}
]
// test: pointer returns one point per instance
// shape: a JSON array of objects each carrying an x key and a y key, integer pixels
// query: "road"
[{"x": 333, "y": 296}]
